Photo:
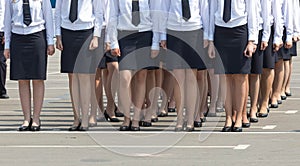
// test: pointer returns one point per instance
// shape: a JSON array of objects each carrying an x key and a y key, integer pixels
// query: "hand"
[
  {"x": 3, "y": 40},
  {"x": 211, "y": 50},
  {"x": 6, "y": 53},
  {"x": 50, "y": 50},
  {"x": 296, "y": 38},
  {"x": 163, "y": 44},
  {"x": 59, "y": 44},
  {"x": 288, "y": 45},
  {"x": 115, "y": 52},
  {"x": 263, "y": 45},
  {"x": 276, "y": 47},
  {"x": 205, "y": 43},
  {"x": 154, "y": 53},
  {"x": 94, "y": 43},
  {"x": 250, "y": 49},
  {"x": 107, "y": 47}
]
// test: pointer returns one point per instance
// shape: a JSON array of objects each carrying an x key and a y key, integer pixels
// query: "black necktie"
[
  {"x": 135, "y": 13},
  {"x": 186, "y": 11},
  {"x": 73, "y": 10},
  {"x": 26, "y": 13},
  {"x": 227, "y": 10}
]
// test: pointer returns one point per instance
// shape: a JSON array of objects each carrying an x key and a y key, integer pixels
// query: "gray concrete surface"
[{"x": 272, "y": 141}]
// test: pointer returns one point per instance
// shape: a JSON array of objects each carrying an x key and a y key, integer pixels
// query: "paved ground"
[{"x": 272, "y": 141}]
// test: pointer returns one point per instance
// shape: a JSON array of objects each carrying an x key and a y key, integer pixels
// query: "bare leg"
[
  {"x": 287, "y": 88},
  {"x": 266, "y": 83},
  {"x": 214, "y": 90},
  {"x": 25, "y": 98},
  {"x": 74, "y": 93},
  {"x": 254, "y": 92},
  {"x": 278, "y": 81},
  {"x": 168, "y": 87},
  {"x": 203, "y": 90},
  {"x": 228, "y": 100},
  {"x": 222, "y": 92},
  {"x": 239, "y": 95},
  {"x": 99, "y": 91},
  {"x": 139, "y": 95},
  {"x": 179, "y": 91},
  {"x": 111, "y": 87},
  {"x": 245, "y": 113},
  {"x": 286, "y": 76},
  {"x": 85, "y": 100},
  {"x": 38, "y": 98},
  {"x": 190, "y": 95},
  {"x": 125, "y": 95},
  {"x": 150, "y": 96},
  {"x": 94, "y": 103}
]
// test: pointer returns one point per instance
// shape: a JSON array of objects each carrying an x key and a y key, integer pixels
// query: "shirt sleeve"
[
  {"x": 252, "y": 20},
  {"x": 296, "y": 19},
  {"x": 47, "y": 11},
  {"x": 98, "y": 13},
  {"x": 7, "y": 24},
  {"x": 278, "y": 24},
  {"x": 2, "y": 9},
  {"x": 165, "y": 6},
  {"x": 267, "y": 17},
  {"x": 112, "y": 24},
  {"x": 155, "y": 16},
  {"x": 204, "y": 12},
  {"x": 57, "y": 16},
  {"x": 213, "y": 8},
  {"x": 288, "y": 20}
]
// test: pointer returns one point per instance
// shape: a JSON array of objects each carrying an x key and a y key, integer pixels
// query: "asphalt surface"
[{"x": 273, "y": 141}]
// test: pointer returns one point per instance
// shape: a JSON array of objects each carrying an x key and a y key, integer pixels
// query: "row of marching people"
[{"x": 143, "y": 49}]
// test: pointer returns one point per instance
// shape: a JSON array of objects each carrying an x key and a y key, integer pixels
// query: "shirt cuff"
[
  {"x": 277, "y": 40},
  {"x": 114, "y": 45},
  {"x": 50, "y": 42},
  {"x": 265, "y": 39},
  {"x": 155, "y": 46},
  {"x": 6, "y": 45},
  {"x": 253, "y": 37},
  {"x": 289, "y": 38},
  {"x": 163, "y": 36},
  {"x": 97, "y": 32}
]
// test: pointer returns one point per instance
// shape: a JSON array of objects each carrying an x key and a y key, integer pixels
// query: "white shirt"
[
  {"x": 90, "y": 15},
  {"x": 106, "y": 11},
  {"x": 283, "y": 16},
  {"x": 199, "y": 16},
  {"x": 2, "y": 9},
  {"x": 242, "y": 12},
  {"x": 121, "y": 16},
  {"x": 41, "y": 15},
  {"x": 267, "y": 17},
  {"x": 296, "y": 21}
]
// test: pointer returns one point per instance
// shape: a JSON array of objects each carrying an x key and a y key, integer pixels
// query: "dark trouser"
[{"x": 2, "y": 71}]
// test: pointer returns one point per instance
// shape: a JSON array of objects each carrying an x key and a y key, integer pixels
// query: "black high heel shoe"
[
  {"x": 227, "y": 129},
  {"x": 118, "y": 113},
  {"x": 162, "y": 114},
  {"x": 135, "y": 128},
  {"x": 26, "y": 128},
  {"x": 75, "y": 128},
  {"x": 237, "y": 129},
  {"x": 108, "y": 118},
  {"x": 288, "y": 94},
  {"x": 126, "y": 128},
  {"x": 145, "y": 124},
  {"x": 197, "y": 123},
  {"x": 283, "y": 97},
  {"x": 36, "y": 128},
  {"x": 83, "y": 128}
]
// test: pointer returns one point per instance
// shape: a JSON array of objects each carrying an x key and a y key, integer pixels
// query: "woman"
[
  {"x": 234, "y": 33},
  {"x": 131, "y": 33},
  {"x": 184, "y": 21},
  {"x": 34, "y": 36},
  {"x": 78, "y": 30}
]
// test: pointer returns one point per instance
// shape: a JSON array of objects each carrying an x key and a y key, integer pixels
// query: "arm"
[
  {"x": 155, "y": 18},
  {"x": 165, "y": 7},
  {"x": 47, "y": 12},
  {"x": 112, "y": 24},
  {"x": 7, "y": 28},
  {"x": 296, "y": 20},
  {"x": 266, "y": 15},
  {"x": 278, "y": 24},
  {"x": 98, "y": 22},
  {"x": 204, "y": 12},
  {"x": 211, "y": 48}
]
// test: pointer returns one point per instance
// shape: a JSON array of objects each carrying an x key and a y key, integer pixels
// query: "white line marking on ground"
[
  {"x": 269, "y": 127},
  {"x": 293, "y": 98},
  {"x": 291, "y": 111},
  {"x": 147, "y": 132},
  {"x": 44, "y": 99},
  {"x": 238, "y": 147},
  {"x": 52, "y": 88},
  {"x": 241, "y": 147}
]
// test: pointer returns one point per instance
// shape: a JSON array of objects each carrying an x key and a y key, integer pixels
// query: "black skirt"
[
  {"x": 258, "y": 57},
  {"x": 231, "y": 44},
  {"x": 185, "y": 50},
  {"x": 269, "y": 55},
  {"x": 76, "y": 56},
  {"x": 28, "y": 56},
  {"x": 135, "y": 50},
  {"x": 284, "y": 53},
  {"x": 293, "y": 50}
]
